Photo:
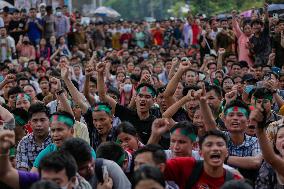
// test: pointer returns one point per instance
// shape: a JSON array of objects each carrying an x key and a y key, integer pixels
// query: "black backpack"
[{"x": 197, "y": 171}]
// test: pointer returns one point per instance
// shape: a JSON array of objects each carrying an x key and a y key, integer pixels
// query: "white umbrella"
[
  {"x": 106, "y": 11},
  {"x": 4, "y": 4}
]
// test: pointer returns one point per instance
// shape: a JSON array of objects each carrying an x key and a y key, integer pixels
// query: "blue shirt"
[
  {"x": 51, "y": 148},
  {"x": 34, "y": 32}
]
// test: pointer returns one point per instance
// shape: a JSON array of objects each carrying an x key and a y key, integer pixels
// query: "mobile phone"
[
  {"x": 260, "y": 84},
  {"x": 249, "y": 88},
  {"x": 105, "y": 172}
]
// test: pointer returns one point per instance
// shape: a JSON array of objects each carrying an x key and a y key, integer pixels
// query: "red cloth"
[
  {"x": 158, "y": 37},
  {"x": 179, "y": 170},
  {"x": 195, "y": 33},
  {"x": 28, "y": 128}
]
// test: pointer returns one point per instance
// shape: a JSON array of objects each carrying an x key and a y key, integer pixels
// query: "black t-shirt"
[
  {"x": 143, "y": 127},
  {"x": 279, "y": 50},
  {"x": 20, "y": 25},
  {"x": 40, "y": 96}
]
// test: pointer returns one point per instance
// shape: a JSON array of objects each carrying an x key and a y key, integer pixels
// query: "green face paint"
[
  {"x": 237, "y": 109},
  {"x": 184, "y": 132},
  {"x": 103, "y": 108},
  {"x": 146, "y": 89},
  {"x": 63, "y": 119}
]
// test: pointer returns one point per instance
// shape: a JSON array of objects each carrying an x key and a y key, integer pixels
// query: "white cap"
[{"x": 42, "y": 5}]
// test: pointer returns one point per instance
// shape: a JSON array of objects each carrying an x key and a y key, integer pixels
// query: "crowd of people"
[{"x": 195, "y": 103}]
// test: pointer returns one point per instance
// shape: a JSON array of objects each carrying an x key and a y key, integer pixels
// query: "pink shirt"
[{"x": 242, "y": 43}]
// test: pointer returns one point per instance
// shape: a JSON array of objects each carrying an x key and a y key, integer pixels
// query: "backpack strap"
[
  {"x": 98, "y": 169},
  {"x": 229, "y": 176},
  {"x": 195, "y": 174}
]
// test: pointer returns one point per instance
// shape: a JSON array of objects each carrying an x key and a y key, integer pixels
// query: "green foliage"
[{"x": 159, "y": 9}]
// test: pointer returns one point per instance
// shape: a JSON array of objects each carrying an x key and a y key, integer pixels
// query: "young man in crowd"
[{"x": 32, "y": 144}]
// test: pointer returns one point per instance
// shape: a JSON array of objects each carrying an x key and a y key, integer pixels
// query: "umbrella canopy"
[
  {"x": 4, "y": 4},
  {"x": 106, "y": 11},
  {"x": 276, "y": 8}
]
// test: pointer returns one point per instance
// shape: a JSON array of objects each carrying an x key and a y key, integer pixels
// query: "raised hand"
[
  {"x": 160, "y": 126},
  {"x": 258, "y": 116},
  {"x": 89, "y": 70},
  {"x": 64, "y": 70},
  {"x": 10, "y": 78},
  {"x": 231, "y": 96},
  {"x": 101, "y": 67},
  {"x": 184, "y": 66},
  {"x": 7, "y": 140}
]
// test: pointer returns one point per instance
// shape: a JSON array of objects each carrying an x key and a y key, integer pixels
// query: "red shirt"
[{"x": 179, "y": 170}]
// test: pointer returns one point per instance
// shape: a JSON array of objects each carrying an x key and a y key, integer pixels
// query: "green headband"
[
  {"x": 103, "y": 108},
  {"x": 186, "y": 133},
  {"x": 20, "y": 121},
  {"x": 237, "y": 109},
  {"x": 25, "y": 96},
  {"x": 63, "y": 119},
  {"x": 146, "y": 89}
]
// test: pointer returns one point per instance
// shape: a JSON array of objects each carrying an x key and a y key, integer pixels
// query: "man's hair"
[
  {"x": 237, "y": 103},
  {"x": 236, "y": 64},
  {"x": 45, "y": 184},
  {"x": 58, "y": 161},
  {"x": 262, "y": 93},
  {"x": 243, "y": 64},
  {"x": 32, "y": 9},
  {"x": 158, "y": 154},
  {"x": 257, "y": 66},
  {"x": 256, "y": 21},
  {"x": 43, "y": 79},
  {"x": 38, "y": 107},
  {"x": 216, "y": 133},
  {"x": 22, "y": 78},
  {"x": 111, "y": 151},
  {"x": 113, "y": 90},
  {"x": 237, "y": 184},
  {"x": 93, "y": 80},
  {"x": 126, "y": 127},
  {"x": 79, "y": 149},
  {"x": 216, "y": 89},
  {"x": 146, "y": 172},
  {"x": 15, "y": 90}
]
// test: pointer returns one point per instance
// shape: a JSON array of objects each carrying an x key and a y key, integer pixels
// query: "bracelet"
[{"x": 60, "y": 92}]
